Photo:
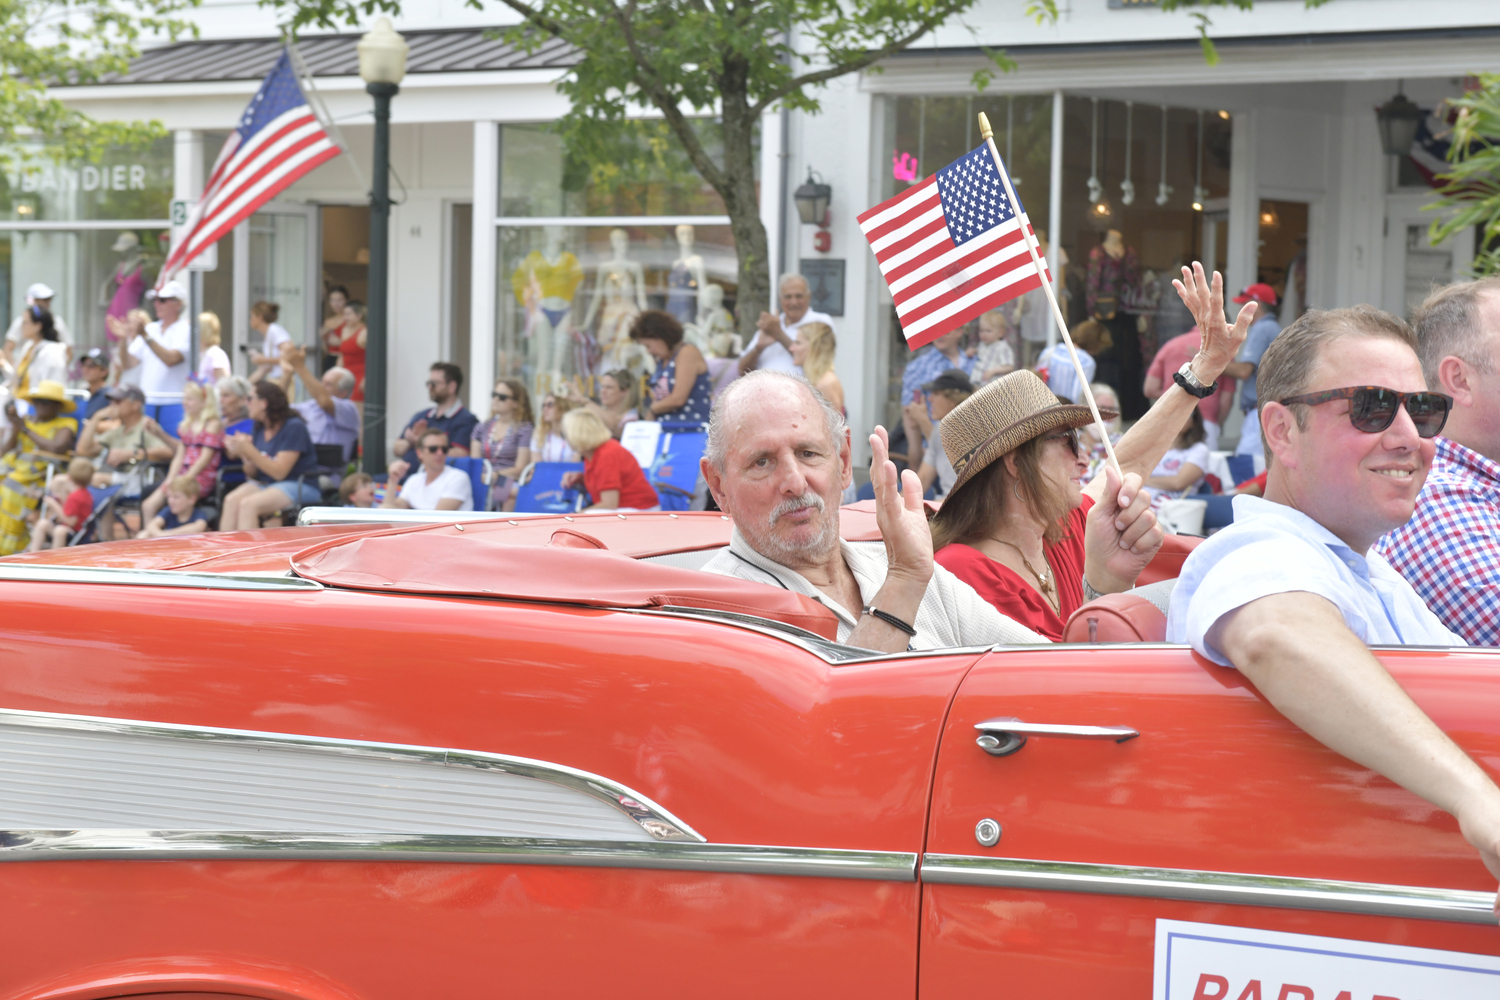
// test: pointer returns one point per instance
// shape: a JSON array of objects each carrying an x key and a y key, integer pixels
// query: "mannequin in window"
[
  {"x": 619, "y": 296},
  {"x": 1112, "y": 297},
  {"x": 715, "y": 326},
  {"x": 123, "y": 289},
  {"x": 544, "y": 283},
  {"x": 686, "y": 280}
]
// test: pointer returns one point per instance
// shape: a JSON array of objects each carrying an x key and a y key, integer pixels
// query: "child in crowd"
[
  {"x": 66, "y": 507},
  {"x": 1182, "y": 468},
  {"x": 358, "y": 490},
  {"x": 994, "y": 356},
  {"x": 200, "y": 446},
  {"x": 182, "y": 516}
]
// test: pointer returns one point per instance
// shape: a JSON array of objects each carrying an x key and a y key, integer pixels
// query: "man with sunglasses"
[
  {"x": 1448, "y": 551},
  {"x": 1292, "y": 593}
]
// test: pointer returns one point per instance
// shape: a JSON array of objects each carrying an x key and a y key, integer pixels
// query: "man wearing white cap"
[
  {"x": 37, "y": 295},
  {"x": 162, "y": 350}
]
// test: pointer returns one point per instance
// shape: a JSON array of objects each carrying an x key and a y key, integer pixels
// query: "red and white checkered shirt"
[{"x": 1450, "y": 549}]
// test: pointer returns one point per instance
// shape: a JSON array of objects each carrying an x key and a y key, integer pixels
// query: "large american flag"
[
  {"x": 951, "y": 247},
  {"x": 279, "y": 139}
]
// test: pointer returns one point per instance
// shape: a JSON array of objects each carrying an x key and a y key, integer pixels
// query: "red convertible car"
[{"x": 550, "y": 757}]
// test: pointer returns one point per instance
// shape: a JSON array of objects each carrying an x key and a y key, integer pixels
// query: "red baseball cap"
[{"x": 1260, "y": 292}]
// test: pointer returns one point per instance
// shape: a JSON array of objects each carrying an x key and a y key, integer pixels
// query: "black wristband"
[{"x": 891, "y": 620}]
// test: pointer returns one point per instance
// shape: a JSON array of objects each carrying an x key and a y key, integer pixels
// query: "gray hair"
[
  {"x": 345, "y": 379},
  {"x": 791, "y": 276},
  {"x": 235, "y": 385},
  {"x": 1448, "y": 325},
  {"x": 717, "y": 448}
]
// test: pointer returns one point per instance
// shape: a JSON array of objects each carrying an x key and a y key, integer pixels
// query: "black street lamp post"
[{"x": 382, "y": 64}]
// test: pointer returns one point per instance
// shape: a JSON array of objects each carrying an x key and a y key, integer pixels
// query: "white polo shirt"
[{"x": 163, "y": 383}]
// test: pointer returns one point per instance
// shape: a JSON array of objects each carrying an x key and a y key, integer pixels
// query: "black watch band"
[{"x": 1201, "y": 391}]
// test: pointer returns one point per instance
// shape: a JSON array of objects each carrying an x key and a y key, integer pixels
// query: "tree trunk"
[{"x": 742, "y": 202}]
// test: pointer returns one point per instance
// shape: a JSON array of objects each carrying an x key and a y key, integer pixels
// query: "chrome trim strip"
[
  {"x": 1334, "y": 896},
  {"x": 152, "y": 845},
  {"x": 656, "y": 821},
  {"x": 47, "y": 573},
  {"x": 383, "y": 515}
]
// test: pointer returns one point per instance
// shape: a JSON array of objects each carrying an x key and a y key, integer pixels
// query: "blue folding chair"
[
  {"x": 1241, "y": 467},
  {"x": 543, "y": 493},
  {"x": 104, "y": 501},
  {"x": 674, "y": 473},
  {"x": 474, "y": 468}
]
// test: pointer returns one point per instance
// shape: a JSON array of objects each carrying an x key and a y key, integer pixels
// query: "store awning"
[{"x": 456, "y": 51}]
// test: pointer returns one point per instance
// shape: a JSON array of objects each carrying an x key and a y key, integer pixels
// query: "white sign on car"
[{"x": 1197, "y": 961}]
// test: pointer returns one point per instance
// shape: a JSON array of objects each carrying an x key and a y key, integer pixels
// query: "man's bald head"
[{"x": 748, "y": 396}]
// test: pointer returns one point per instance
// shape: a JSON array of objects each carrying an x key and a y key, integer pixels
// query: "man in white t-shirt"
[
  {"x": 162, "y": 351},
  {"x": 772, "y": 350},
  {"x": 436, "y": 485},
  {"x": 37, "y": 295}
]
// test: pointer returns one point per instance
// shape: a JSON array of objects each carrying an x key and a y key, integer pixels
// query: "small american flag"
[
  {"x": 278, "y": 140},
  {"x": 951, "y": 247}
]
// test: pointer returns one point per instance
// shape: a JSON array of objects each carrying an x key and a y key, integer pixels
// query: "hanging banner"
[{"x": 1219, "y": 962}]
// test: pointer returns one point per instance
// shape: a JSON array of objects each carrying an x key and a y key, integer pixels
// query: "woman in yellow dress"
[{"x": 27, "y": 444}]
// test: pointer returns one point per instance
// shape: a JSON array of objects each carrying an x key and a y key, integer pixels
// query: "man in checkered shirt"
[{"x": 1450, "y": 550}]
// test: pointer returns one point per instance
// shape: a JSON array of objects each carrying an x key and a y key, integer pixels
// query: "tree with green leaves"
[
  {"x": 1470, "y": 195},
  {"x": 729, "y": 59},
  {"x": 58, "y": 43}
]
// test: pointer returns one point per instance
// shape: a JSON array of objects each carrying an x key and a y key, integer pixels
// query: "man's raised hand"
[{"x": 899, "y": 514}]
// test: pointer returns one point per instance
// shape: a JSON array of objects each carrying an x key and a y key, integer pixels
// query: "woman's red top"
[
  {"x": 1018, "y": 598},
  {"x": 354, "y": 359},
  {"x": 611, "y": 467}
]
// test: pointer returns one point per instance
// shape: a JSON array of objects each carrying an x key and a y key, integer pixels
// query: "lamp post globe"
[
  {"x": 382, "y": 65},
  {"x": 812, "y": 200},
  {"x": 1398, "y": 119}
]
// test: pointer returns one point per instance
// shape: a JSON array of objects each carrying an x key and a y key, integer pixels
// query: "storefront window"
[
  {"x": 568, "y": 295},
  {"x": 1144, "y": 190},
  {"x": 95, "y": 270}
]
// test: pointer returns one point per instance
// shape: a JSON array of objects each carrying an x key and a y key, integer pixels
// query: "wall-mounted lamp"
[
  {"x": 1398, "y": 119},
  {"x": 812, "y": 200}
]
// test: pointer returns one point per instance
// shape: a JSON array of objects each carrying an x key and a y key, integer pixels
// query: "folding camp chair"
[
  {"x": 104, "y": 501},
  {"x": 674, "y": 474},
  {"x": 478, "y": 471},
  {"x": 543, "y": 493}
]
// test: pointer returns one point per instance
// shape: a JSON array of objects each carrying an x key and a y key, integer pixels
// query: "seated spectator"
[
  {"x": 1105, "y": 398},
  {"x": 943, "y": 394},
  {"x": 27, "y": 444},
  {"x": 1182, "y": 468},
  {"x": 1439, "y": 551},
  {"x": 619, "y": 400},
  {"x": 1022, "y": 525},
  {"x": 1169, "y": 360},
  {"x": 680, "y": 391},
  {"x": 125, "y": 443},
  {"x": 943, "y": 354},
  {"x": 182, "y": 516},
  {"x": 778, "y": 461},
  {"x": 447, "y": 414},
  {"x": 994, "y": 355},
  {"x": 200, "y": 445},
  {"x": 504, "y": 440},
  {"x": 1292, "y": 593},
  {"x": 813, "y": 350},
  {"x": 278, "y": 457},
  {"x": 95, "y": 370},
  {"x": 233, "y": 393},
  {"x": 611, "y": 475},
  {"x": 1055, "y": 365},
  {"x": 330, "y": 414},
  {"x": 62, "y": 514},
  {"x": 434, "y": 484},
  {"x": 358, "y": 490},
  {"x": 548, "y": 444}
]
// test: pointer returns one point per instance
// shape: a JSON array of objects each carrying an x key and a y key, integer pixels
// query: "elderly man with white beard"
[{"x": 778, "y": 460}]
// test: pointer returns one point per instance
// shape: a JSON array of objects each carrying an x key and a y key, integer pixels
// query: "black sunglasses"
[
  {"x": 502, "y": 398},
  {"x": 433, "y": 449},
  {"x": 1372, "y": 408},
  {"x": 1070, "y": 436}
]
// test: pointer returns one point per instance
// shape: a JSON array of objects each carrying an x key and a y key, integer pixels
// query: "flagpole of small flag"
[{"x": 1062, "y": 324}]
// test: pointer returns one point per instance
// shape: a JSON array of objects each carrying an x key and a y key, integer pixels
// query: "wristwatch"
[{"x": 1190, "y": 384}]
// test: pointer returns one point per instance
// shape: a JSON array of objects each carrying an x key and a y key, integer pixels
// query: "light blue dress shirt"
[
  {"x": 1275, "y": 549},
  {"x": 1261, "y": 333}
]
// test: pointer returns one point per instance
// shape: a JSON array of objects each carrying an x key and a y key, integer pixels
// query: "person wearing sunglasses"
[
  {"x": 1292, "y": 593},
  {"x": 1458, "y": 340},
  {"x": 1024, "y": 524},
  {"x": 434, "y": 485}
]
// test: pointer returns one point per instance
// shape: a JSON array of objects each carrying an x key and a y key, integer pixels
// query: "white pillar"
[
  {"x": 1054, "y": 211},
  {"x": 483, "y": 295},
  {"x": 1244, "y": 207},
  {"x": 187, "y": 164}
]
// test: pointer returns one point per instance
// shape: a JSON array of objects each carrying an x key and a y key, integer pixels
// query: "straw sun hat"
[
  {"x": 1001, "y": 417},
  {"x": 53, "y": 390}
]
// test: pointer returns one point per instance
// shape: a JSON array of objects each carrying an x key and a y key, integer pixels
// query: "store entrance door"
[
  {"x": 1413, "y": 265},
  {"x": 282, "y": 265}
]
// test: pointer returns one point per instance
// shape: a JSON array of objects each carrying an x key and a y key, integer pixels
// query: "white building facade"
[{"x": 503, "y": 257}]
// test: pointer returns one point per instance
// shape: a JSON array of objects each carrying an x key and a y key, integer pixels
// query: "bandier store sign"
[{"x": 1219, "y": 962}]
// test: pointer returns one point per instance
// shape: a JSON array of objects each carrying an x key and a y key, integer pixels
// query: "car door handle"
[{"x": 1003, "y": 737}]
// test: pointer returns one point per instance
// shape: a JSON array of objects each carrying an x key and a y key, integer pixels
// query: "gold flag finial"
[{"x": 985, "y": 132}]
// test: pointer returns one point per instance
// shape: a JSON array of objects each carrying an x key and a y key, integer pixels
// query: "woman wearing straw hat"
[
  {"x": 27, "y": 445},
  {"x": 1022, "y": 524}
]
